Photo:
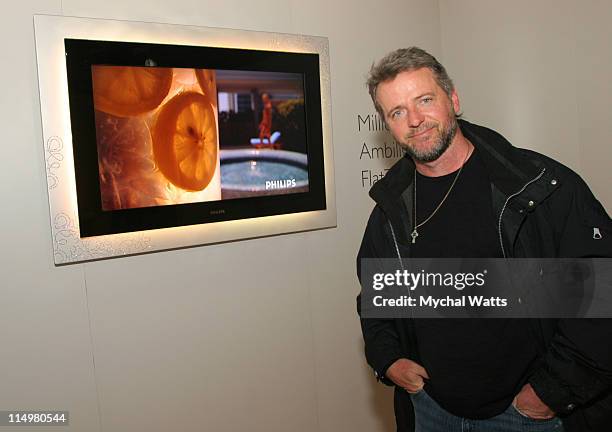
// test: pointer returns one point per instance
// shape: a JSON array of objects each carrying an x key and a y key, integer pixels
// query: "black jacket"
[{"x": 544, "y": 210}]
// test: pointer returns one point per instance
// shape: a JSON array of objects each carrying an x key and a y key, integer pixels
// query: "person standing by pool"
[{"x": 265, "y": 126}]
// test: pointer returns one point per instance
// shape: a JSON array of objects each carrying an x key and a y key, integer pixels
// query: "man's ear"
[{"x": 455, "y": 101}]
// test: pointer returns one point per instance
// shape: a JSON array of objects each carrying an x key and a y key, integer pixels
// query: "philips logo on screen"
[{"x": 280, "y": 184}]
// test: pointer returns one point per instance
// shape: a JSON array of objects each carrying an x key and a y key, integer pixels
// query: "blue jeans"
[{"x": 430, "y": 417}]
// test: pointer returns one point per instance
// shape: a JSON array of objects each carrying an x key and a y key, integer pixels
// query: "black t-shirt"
[{"x": 476, "y": 366}]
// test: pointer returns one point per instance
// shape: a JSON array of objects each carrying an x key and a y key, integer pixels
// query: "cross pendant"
[{"x": 414, "y": 235}]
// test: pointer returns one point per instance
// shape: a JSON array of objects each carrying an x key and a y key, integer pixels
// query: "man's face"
[{"x": 419, "y": 113}]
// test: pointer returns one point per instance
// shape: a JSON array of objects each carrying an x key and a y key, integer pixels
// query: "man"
[{"x": 462, "y": 190}]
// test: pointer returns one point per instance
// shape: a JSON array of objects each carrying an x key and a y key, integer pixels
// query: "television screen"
[{"x": 172, "y": 135}]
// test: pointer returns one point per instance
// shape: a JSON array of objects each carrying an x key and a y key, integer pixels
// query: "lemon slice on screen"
[
  {"x": 129, "y": 90},
  {"x": 207, "y": 81},
  {"x": 185, "y": 141}
]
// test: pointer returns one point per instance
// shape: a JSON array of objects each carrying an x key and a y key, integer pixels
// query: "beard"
[{"x": 440, "y": 144}]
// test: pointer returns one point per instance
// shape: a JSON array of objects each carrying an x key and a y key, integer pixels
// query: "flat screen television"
[{"x": 173, "y": 135}]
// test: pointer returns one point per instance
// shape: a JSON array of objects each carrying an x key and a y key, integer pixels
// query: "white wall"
[
  {"x": 256, "y": 335},
  {"x": 210, "y": 338},
  {"x": 538, "y": 72}
]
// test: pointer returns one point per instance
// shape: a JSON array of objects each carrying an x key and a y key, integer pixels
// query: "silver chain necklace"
[{"x": 415, "y": 233}]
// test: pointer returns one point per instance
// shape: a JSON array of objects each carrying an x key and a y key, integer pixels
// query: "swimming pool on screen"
[{"x": 256, "y": 172}]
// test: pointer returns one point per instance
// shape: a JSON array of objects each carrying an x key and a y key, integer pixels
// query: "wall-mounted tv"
[
  {"x": 171, "y": 135},
  {"x": 162, "y": 136}
]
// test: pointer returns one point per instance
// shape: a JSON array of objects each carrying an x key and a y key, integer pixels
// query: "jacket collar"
[{"x": 508, "y": 168}]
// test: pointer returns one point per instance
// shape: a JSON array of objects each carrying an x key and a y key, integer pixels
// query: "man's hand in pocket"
[
  {"x": 407, "y": 374},
  {"x": 530, "y": 405}
]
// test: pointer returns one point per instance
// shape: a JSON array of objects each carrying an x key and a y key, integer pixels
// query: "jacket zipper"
[
  {"x": 501, "y": 214},
  {"x": 397, "y": 251}
]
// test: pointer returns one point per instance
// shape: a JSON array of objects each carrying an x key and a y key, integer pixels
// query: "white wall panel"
[
  {"x": 538, "y": 72},
  {"x": 593, "y": 64},
  {"x": 257, "y": 335},
  {"x": 264, "y": 15},
  {"x": 215, "y": 338},
  {"x": 46, "y": 357}
]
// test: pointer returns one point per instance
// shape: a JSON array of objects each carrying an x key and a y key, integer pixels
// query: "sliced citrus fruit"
[
  {"x": 185, "y": 141},
  {"x": 207, "y": 81},
  {"x": 129, "y": 90}
]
